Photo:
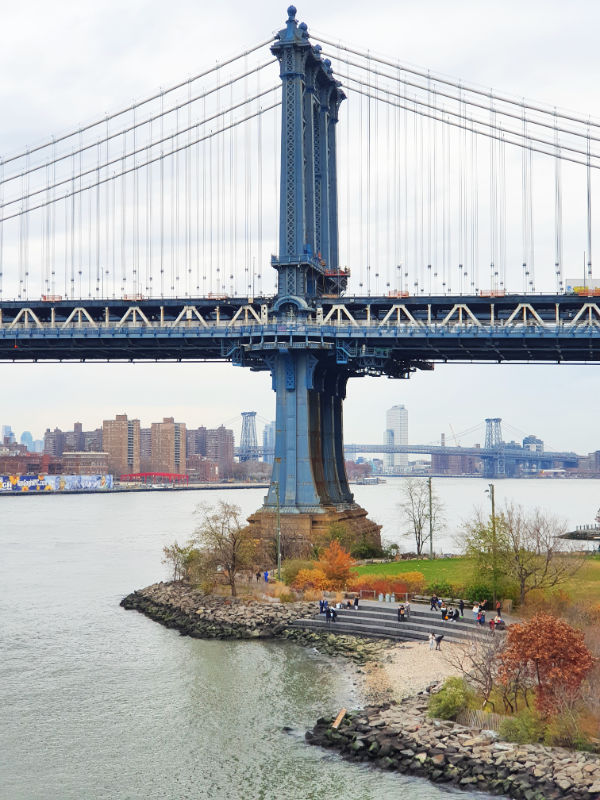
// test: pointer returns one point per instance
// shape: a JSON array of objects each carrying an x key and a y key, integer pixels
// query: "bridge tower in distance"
[
  {"x": 248, "y": 441},
  {"x": 309, "y": 487},
  {"x": 494, "y": 465}
]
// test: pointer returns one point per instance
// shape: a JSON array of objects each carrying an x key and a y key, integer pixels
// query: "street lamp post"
[
  {"x": 430, "y": 520},
  {"x": 278, "y": 526},
  {"x": 492, "y": 495},
  {"x": 278, "y": 532}
]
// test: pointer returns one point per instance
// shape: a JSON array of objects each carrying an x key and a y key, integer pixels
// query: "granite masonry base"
[{"x": 401, "y": 737}]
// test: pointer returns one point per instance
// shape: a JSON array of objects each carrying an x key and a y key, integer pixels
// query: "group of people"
[
  {"x": 448, "y": 613},
  {"x": 458, "y": 612},
  {"x": 403, "y": 611},
  {"x": 479, "y": 615},
  {"x": 330, "y": 612}
]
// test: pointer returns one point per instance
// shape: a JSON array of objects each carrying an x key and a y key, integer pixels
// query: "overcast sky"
[{"x": 64, "y": 63}]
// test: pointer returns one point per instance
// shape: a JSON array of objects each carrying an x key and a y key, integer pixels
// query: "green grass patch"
[{"x": 451, "y": 570}]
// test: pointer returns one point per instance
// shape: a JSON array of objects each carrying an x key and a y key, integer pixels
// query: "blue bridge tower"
[{"x": 309, "y": 487}]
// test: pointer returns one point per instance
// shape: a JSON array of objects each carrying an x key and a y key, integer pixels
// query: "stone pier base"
[{"x": 300, "y": 532}]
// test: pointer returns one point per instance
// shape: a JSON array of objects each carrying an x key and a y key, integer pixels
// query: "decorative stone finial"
[{"x": 291, "y": 13}]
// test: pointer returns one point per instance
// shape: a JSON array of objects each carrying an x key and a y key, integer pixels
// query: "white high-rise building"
[
  {"x": 269, "y": 442},
  {"x": 396, "y": 432}
]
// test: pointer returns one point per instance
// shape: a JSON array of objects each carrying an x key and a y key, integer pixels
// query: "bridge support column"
[{"x": 309, "y": 482}]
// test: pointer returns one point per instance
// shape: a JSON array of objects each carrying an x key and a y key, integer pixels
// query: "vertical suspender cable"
[
  {"x": 123, "y": 220},
  {"x": 259, "y": 188},
  {"x": 368, "y": 217},
  {"x": 558, "y": 212},
  {"x": 162, "y": 201},
  {"x": 136, "y": 217},
  {"x": 524, "y": 215},
  {"x": 97, "y": 227},
  {"x": 589, "y": 212},
  {"x": 149, "y": 195},
  {"x": 429, "y": 210},
  {"x": 530, "y": 226},
  {"x": 188, "y": 199},
  {"x": 1, "y": 227}
]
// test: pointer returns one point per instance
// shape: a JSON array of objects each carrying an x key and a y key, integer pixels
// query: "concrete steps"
[{"x": 381, "y": 621}]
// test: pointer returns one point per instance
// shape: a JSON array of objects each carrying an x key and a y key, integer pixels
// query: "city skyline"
[{"x": 369, "y": 429}]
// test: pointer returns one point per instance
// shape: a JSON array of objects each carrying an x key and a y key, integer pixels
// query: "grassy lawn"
[
  {"x": 584, "y": 585},
  {"x": 452, "y": 570}
]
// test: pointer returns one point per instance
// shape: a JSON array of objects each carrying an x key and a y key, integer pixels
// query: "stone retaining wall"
[
  {"x": 180, "y": 606},
  {"x": 401, "y": 737}
]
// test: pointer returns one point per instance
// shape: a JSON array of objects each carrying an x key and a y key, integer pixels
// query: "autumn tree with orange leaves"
[
  {"x": 335, "y": 562},
  {"x": 548, "y": 655}
]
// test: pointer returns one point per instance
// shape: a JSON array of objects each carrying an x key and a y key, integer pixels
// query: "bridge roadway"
[
  {"x": 372, "y": 335},
  {"x": 503, "y": 451}
]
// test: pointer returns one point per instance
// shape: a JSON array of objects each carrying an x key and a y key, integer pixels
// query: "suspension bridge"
[{"x": 466, "y": 235}]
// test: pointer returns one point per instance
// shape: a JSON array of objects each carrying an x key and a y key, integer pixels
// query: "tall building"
[
  {"x": 27, "y": 440},
  {"x": 396, "y": 432},
  {"x": 146, "y": 449},
  {"x": 168, "y": 446},
  {"x": 73, "y": 441},
  {"x": 269, "y": 442},
  {"x": 121, "y": 440},
  {"x": 219, "y": 448},
  {"x": 54, "y": 442},
  {"x": 196, "y": 441},
  {"x": 7, "y": 433},
  {"x": 92, "y": 440}
]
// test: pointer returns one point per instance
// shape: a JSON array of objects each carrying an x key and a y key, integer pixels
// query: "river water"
[{"x": 97, "y": 702}]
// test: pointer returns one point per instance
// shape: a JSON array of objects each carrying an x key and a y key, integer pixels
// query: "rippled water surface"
[{"x": 97, "y": 702}]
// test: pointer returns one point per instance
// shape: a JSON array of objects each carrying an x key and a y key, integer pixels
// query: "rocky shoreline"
[
  {"x": 395, "y": 736},
  {"x": 180, "y": 606},
  {"x": 400, "y": 737}
]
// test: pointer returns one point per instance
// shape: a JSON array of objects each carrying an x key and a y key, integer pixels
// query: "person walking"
[
  {"x": 266, "y": 575},
  {"x": 434, "y": 603},
  {"x": 333, "y": 615},
  {"x": 328, "y": 615},
  {"x": 258, "y": 576},
  {"x": 461, "y": 607},
  {"x": 407, "y": 609},
  {"x": 431, "y": 641},
  {"x": 438, "y": 641}
]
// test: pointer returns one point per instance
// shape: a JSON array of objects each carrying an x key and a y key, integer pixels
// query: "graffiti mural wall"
[{"x": 55, "y": 483}]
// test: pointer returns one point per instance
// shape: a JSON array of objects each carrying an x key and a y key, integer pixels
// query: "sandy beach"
[{"x": 404, "y": 670}]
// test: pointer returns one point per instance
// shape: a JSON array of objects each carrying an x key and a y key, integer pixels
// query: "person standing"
[
  {"x": 328, "y": 615},
  {"x": 434, "y": 603},
  {"x": 407, "y": 609},
  {"x": 401, "y": 614},
  {"x": 356, "y": 603},
  {"x": 438, "y": 641},
  {"x": 258, "y": 576},
  {"x": 431, "y": 641},
  {"x": 333, "y": 615},
  {"x": 461, "y": 607},
  {"x": 266, "y": 575}
]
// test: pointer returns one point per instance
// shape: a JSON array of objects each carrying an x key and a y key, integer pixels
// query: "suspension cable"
[{"x": 133, "y": 106}]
